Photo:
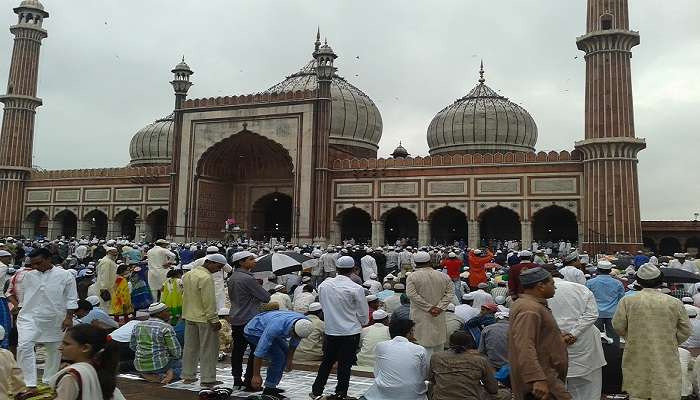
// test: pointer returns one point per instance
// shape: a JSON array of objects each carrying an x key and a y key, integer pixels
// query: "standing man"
[
  {"x": 572, "y": 269},
  {"x": 246, "y": 296},
  {"x": 537, "y": 351},
  {"x": 369, "y": 266},
  {"x": 680, "y": 262},
  {"x": 49, "y": 298},
  {"x": 653, "y": 325},
  {"x": 345, "y": 312},
  {"x": 430, "y": 292},
  {"x": 276, "y": 335},
  {"x": 392, "y": 261},
  {"x": 380, "y": 259},
  {"x": 608, "y": 291},
  {"x": 5, "y": 315},
  {"x": 106, "y": 277},
  {"x": 158, "y": 265},
  {"x": 327, "y": 262},
  {"x": 514, "y": 286},
  {"x": 575, "y": 309},
  {"x": 201, "y": 321},
  {"x": 406, "y": 261}
]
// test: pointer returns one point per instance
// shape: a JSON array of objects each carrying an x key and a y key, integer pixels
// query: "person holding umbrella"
[{"x": 246, "y": 296}]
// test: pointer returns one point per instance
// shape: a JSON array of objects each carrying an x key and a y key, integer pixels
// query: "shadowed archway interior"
[
  {"x": 157, "y": 224},
  {"x": 67, "y": 223},
  {"x": 126, "y": 224},
  {"x": 97, "y": 223},
  {"x": 554, "y": 223},
  {"x": 38, "y": 223},
  {"x": 356, "y": 224},
  {"x": 448, "y": 225},
  {"x": 499, "y": 223},
  {"x": 272, "y": 217},
  {"x": 399, "y": 224}
]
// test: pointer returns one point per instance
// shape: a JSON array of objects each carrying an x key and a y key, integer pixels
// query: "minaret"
[
  {"x": 325, "y": 70},
  {"x": 181, "y": 85},
  {"x": 17, "y": 135},
  {"x": 611, "y": 215}
]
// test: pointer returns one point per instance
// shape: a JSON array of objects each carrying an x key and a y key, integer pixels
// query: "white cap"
[
  {"x": 2, "y": 332},
  {"x": 345, "y": 262},
  {"x": 525, "y": 253},
  {"x": 303, "y": 327},
  {"x": 451, "y": 307},
  {"x": 692, "y": 311},
  {"x": 399, "y": 286},
  {"x": 4, "y": 253},
  {"x": 142, "y": 313},
  {"x": 224, "y": 311},
  {"x": 371, "y": 297},
  {"x": 500, "y": 300},
  {"x": 604, "y": 265},
  {"x": 241, "y": 255},
  {"x": 468, "y": 296},
  {"x": 155, "y": 308},
  {"x": 387, "y": 286},
  {"x": 306, "y": 279},
  {"x": 315, "y": 306},
  {"x": 679, "y": 255},
  {"x": 279, "y": 287},
  {"x": 212, "y": 249},
  {"x": 379, "y": 315},
  {"x": 389, "y": 276},
  {"x": 94, "y": 300},
  {"x": 217, "y": 258},
  {"x": 367, "y": 284},
  {"x": 687, "y": 300},
  {"x": 373, "y": 276},
  {"x": 421, "y": 257},
  {"x": 648, "y": 271},
  {"x": 108, "y": 249},
  {"x": 452, "y": 255}
]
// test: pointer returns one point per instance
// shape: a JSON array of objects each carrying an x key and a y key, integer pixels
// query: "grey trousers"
[{"x": 201, "y": 347}]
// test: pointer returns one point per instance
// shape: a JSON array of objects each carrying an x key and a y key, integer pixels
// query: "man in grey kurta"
[{"x": 430, "y": 292}]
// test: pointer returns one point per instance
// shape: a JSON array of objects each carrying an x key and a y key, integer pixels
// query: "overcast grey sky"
[{"x": 105, "y": 69}]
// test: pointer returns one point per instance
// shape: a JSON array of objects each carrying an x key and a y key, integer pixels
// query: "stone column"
[
  {"x": 140, "y": 229},
  {"x": 473, "y": 233},
  {"x": 525, "y": 234},
  {"x": 580, "y": 236},
  {"x": 112, "y": 229},
  {"x": 380, "y": 233},
  {"x": 54, "y": 229},
  {"x": 335, "y": 232},
  {"x": 423, "y": 233},
  {"x": 374, "y": 239},
  {"x": 83, "y": 228}
]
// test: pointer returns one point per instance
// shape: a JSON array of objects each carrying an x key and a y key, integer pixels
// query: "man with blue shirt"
[
  {"x": 608, "y": 291},
  {"x": 90, "y": 313},
  {"x": 275, "y": 334},
  {"x": 640, "y": 259}
]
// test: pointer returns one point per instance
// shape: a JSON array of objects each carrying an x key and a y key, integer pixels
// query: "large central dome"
[
  {"x": 482, "y": 122},
  {"x": 355, "y": 119}
]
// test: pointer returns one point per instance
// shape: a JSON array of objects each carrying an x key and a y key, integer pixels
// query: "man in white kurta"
[
  {"x": 370, "y": 337},
  {"x": 106, "y": 276},
  {"x": 576, "y": 311},
  {"x": 430, "y": 292},
  {"x": 158, "y": 265},
  {"x": 369, "y": 267},
  {"x": 571, "y": 271},
  {"x": 219, "y": 277},
  {"x": 49, "y": 297}
]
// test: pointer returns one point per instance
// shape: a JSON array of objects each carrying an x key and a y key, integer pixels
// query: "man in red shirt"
[
  {"x": 477, "y": 272},
  {"x": 454, "y": 267},
  {"x": 514, "y": 287}
]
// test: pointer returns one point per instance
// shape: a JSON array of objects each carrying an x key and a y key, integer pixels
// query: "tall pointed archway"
[
  {"x": 554, "y": 223},
  {"x": 448, "y": 225},
  {"x": 400, "y": 224},
  {"x": 355, "y": 224},
  {"x": 272, "y": 217},
  {"x": 499, "y": 223}
]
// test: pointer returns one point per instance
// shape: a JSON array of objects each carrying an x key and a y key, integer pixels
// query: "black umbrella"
[
  {"x": 676, "y": 275},
  {"x": 280, "y": 263}
]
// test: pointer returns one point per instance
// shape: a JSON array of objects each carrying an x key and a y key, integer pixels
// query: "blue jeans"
[
  {"x": 277, "y": 356},
  {"x": 175, "y": 365}
]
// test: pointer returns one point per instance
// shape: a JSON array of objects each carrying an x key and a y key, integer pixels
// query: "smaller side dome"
[
  {"x": 400, "y": 152},
  {"x": 153, "y": 143}
]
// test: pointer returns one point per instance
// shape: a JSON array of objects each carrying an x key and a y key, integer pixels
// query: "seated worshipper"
[
  {"x": 11, "y": 380},
  {"x": 372, "y": 284},
  {"x": 373, "y": 305},
  {"x": 311, "y": 347},
  {"x": 386, "y": 292},
  {"x": 461, "y": 372},
  {"x": 404, "y": 310},
  {"x": 393, "y": 302},
  {"x": 494, "y": 341},
  {"x": 401, "y": 367},
  {"x": 485, "y": 318},
  {"x": 693, "y": 342},
  {"x": 501, "y": 289},
  {"x": 572, "y": 269},
  {"x": 275, "y": 334},
  {"x": 90, "y": 313},
  {"x": 158, "y": 354},
  {"x": 304, "y": 299},
  {"x": 172, "y": 292},
  {"x": 280, "y": 296},
  {"x": 122, "y": 338},
  {"x": 370, "y": 336},
  {"x": 225, "y": 334},
  {"x": 453, "y": 322},
  {"x": 481, "y": 297},
  {"x": 465, "y": 311}
]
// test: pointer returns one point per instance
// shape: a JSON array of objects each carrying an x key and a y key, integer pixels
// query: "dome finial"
[
  {"x": 317, "y": 44},
  {"x": 481, "y": 73}
]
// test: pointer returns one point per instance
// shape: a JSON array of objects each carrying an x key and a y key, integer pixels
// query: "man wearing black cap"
[{"x": 537, "y": 352}]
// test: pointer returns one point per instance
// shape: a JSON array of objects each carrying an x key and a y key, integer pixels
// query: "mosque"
[{"x": 299, "y": 161}]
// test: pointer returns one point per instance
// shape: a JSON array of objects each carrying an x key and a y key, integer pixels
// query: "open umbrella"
[
  {"x": 676, "y": 275},
  {"x": 280, "y": 263}
]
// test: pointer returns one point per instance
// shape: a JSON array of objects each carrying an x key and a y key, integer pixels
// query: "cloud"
[{"x": 105, "y": 69}]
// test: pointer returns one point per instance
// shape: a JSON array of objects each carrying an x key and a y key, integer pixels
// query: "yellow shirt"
[{"x": 199, "y": 299}]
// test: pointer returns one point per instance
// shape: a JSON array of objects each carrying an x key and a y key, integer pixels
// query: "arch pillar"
[
  {"x": 112, "y": 229},
  {"x": 54, "y": 229},
  {"x": 473, "y": 233},
  {"x": 581, "y": 235},
  {"x": 140, "y": 229},
  {"x": 423, "y": 233},
  {"x": 83, "y": 228},
  {"x": 377, "y": 233},
  {"x": 335, "y": 232},
  {"x": 525, "y": 234}
]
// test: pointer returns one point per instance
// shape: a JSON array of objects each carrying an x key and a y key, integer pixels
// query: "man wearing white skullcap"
[
  {"x": 218, "y": 277},
  {"x": 430, "y": 292},
  {"x": 572, "y": 269},
  {"x": 157, "y": 352},
  {"x": 681, "y": 262},
  {"x": 159, "y": 262},
  {"x": 608, "y": 292},
  {"x": 653, "y": 324},
  {"x": 311, "y": 347},
  {"x": 371, "y": 335},
  {"x": 372, "y": 284},
  {"x": 276, "y": 335},
  {"x": 369, "y": 266},
  {"x": 345, "y": 312},
  {"x": 693, "y": 342},
  {"x": 281, "y": 297}
]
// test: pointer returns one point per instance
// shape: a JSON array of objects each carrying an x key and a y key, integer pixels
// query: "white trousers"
[
  {"x": 26, "y": 358},
  {"x": 586, "y": 387}
]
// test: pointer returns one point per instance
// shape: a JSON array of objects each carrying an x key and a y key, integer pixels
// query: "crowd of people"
[{"x": 433, "y": 322}]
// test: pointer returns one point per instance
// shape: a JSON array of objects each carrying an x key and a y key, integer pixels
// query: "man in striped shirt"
[{"x": 158, "y": 353}]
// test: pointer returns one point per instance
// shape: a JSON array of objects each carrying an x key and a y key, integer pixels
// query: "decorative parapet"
[
  {"x": 457, "y": 160},
  {"x": 245, "y": 99},
  {"x": 124, "y": 172}
]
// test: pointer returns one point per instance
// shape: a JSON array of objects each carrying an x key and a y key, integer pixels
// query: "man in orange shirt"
[{"x": 477, "y": 272}]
